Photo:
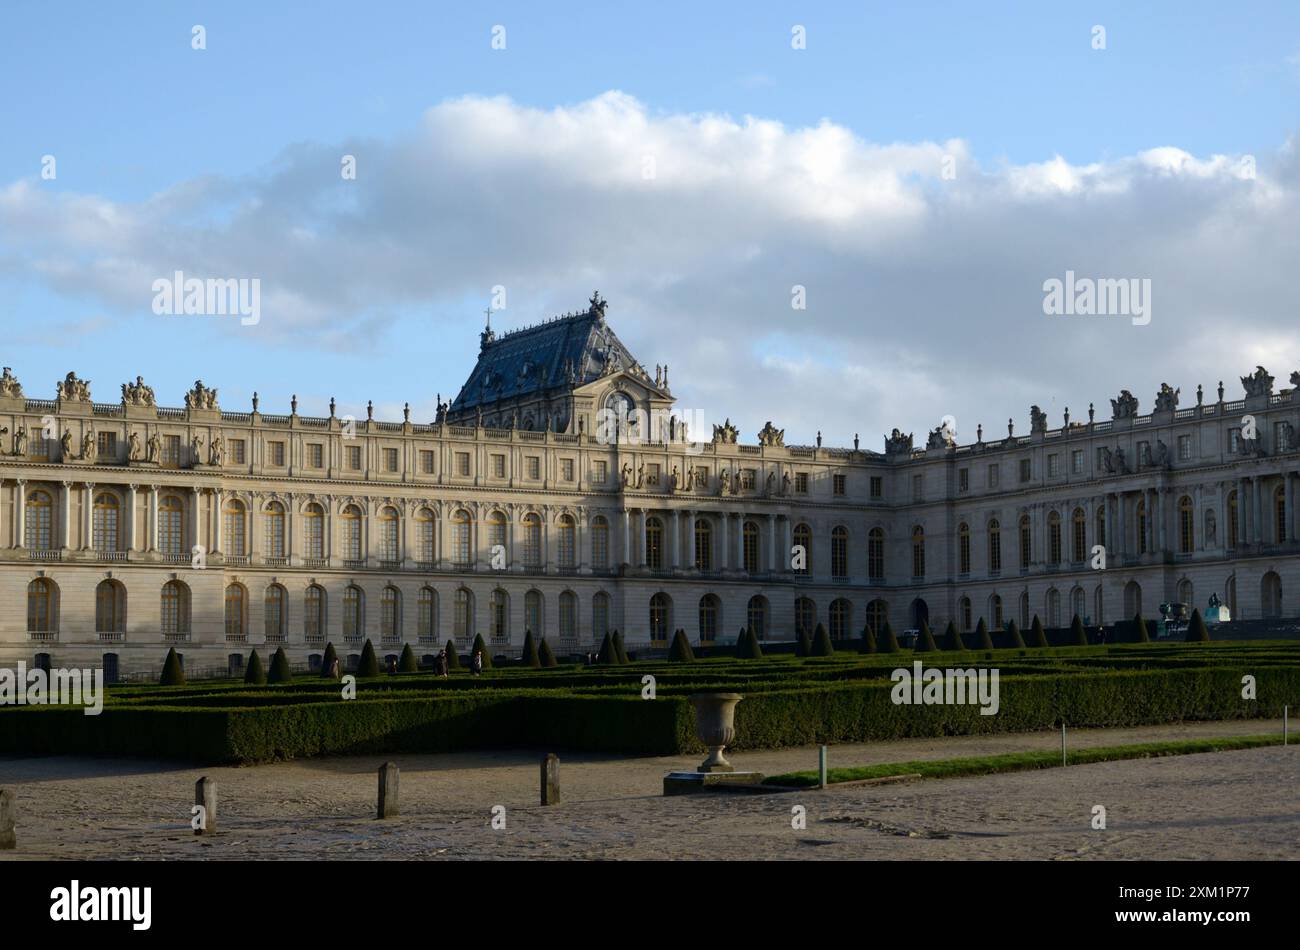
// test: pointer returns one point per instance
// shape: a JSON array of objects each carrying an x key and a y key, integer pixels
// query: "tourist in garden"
[
  {"x": 440, "y": 664},
  {"x": 477, "y": 664}
]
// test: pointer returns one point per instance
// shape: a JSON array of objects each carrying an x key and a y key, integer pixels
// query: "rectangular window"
[
  {"x": 1144, "y": 453},
  {"x": 107, "y": 445},
  {"x": 237, "y": 451},
  {"x": 1101, "y": 459},
  {"x": 426, "y": 462},
  {"x": 1053, "y": 465},
  {"x": 837, "y": 485},
  {"x": 171, "y": 450},
  {"x": 1184, "y": 447},
  {"x": 390, "y": 460},
  {"x": 354, "y": 457},
  {"x": 599, "y": 472},
  {"x": 652, "y": 474},
  {"x": 801, "y": 483},
  {"x": 747, "y": 478},
  {"x": 1026, "y": 470},
  {"x": 1234, "y": 441},
  {"x": 534, "y": 467},
  {"x": 277, "y": 454},
  {"x": 498, "y": 466},
  {"x": 566, "y": 469},
  {"x": 316, "y": 455},
  {"x": 1076, "y": 462},
  {"x": 877, "y": 486},
  {"x": 963, "y": 479},
  {"x": 918, "y": 487},
  {"x": 993, "y": 475},
  {"x": 462, "y": 464},
  {"x": 1281, "y": 437}
]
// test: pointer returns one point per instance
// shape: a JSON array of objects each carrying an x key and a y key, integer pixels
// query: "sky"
[{"x": 840, "y": 217}]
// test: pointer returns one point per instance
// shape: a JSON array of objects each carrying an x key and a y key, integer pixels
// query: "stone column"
[
  {"x": 787, "y": 542},
  {"x": 692, "y": 542},
  {"x": 740, "y": 540},
  {"x": 674, "y": 535},
  {"x": 1290, "y": 506},
  {"x": 1108, "y": 519},
  {"x": 1121, "y": 539},
  {"x": 627, "y": 537},
  {"x": 65, "y": 536},
  {"x": 151, "y": 521},
  {"x": 288, "y": 529},
  {"x": 20, "y": 513},
  {"x": 724, "y": 542},
  {"x": 443, "y": 526},
  {"x": 130, "y": 517},
  {"x": 582, "y": 526},
  {"x": 1257, "y": 508},
  {"x": 87, "y": 523},
  {"x": 771, "y": 543},
  {"x": 219, "y": 503},
  {"x": 194, "y": 517},
  {"x": 643, "y": 514}
]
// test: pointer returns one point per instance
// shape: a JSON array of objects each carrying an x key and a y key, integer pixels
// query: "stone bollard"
[
  {"x": 388, "y": 801},
  {"x": 8, "y": 840},
  {"x": 551, "y": 779},
  {"x": 205, "y": 794}
]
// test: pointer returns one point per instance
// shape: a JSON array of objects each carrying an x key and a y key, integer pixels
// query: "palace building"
[{"x": 560, "y": 493}]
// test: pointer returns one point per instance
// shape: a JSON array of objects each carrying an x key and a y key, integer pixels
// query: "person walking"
[
  {"x": 440, "y": 667},
  {"x": 477, "y": 665}
]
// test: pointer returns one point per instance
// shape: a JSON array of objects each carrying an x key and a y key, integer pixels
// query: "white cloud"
[{"x": 924, "y": 294}]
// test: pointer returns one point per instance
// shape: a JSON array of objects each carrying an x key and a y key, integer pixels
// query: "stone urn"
[{"x": 715, "y": 726}]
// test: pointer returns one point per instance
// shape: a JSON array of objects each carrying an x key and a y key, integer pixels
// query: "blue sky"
[{"x": 131, "y": 112}]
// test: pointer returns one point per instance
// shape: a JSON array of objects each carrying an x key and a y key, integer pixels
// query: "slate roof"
[{"x": 564, "y": 352}]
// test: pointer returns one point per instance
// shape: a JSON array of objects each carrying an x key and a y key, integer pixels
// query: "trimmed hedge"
[
  {"x": 530, "y": 657},
  {"x": 369, "y": 663},
  {"x": 172, "y": 673},
  {"x": 328, "y": 660},
  {"x": 280, "y": 672},
  {"x": 546, "y": 656},
  {"x": 822, "y": 645},
  {"x": 407, "y": 663},
  {"x": 254, "y": 675},
  {"x": 680, "y": 651}
]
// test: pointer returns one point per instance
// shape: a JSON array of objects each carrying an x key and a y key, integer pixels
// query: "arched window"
[
  {"x": 661, "y": 609},
  {"x": 273, "y": 525},
  {"x": 175, "y": 610},
  {"x": 803, "y": 538},
  {"x": 1142, "y": 526},
  {"x": 876, "y": 554},
  {"x": 566, "y": 547},
  {"x": 654, "y": 544},
  {"x": 460, "y": 531},
  {"x": 710, "y": 611},
  {"x": 426, "y": 624},
  {"x": 1099, "y": 527},
  {"x": 1270, "y": 589},
  {"x": 425, "y": 532},
  {"x": 841, "y": 619},
  {"x": 313, "y": 531},
  {"x": 1186, "y": 593},
  {"x": 756, "y": 616},
  {"x": 534, "y": 618},
  {"x": 500, "y": 620},
  {"x": 1279, "y": 515},
  {"x": 171, "y": 526},
  {"x": 963, "y": 548},
  {"x": 599, "y": 616},
  {"x": 1186, "y": 537},
  {"x": 995, "y": 612},
  {"x": 1132, "y": 599},
  {"x": 600, "y": 545},
  {"x": 236, "y": 612},
  {"x": 532, "y": 541},
  {"x": 276, "y": 604},
  {"x": 805, "y": 615},
  {"x": 1024, "y": 610},
  {"x": 568, "y": 617},
  {"x": 995, "y": 547},
  {"x": 463, "y": 617},
  {"x": 496, "y": 539},
  {"x": 104, "y": 532},
  {"x": 1026, "y": 543},
  {"x": 42, "y": 612},
  {"x": 110, "y": 607},
  {"x": 313, "y": 620},
  {"x": 750, "y": 545},
  {"x": 354, "y": 613},
  {"x": 877, "y": 614},
  {"x": 964, "y": 612},
  {"x": 351, "y": 523},
  {"x": 234, "y": 537},
  {"x": 1078, "y": 604},
  {"x": 390, "y": 529},
  {"x": 1080, "y": 536},
  {"x": 390, "y": 613},
  {"x": 1054, "y": 537},
  {"x": 1232, "y": 526},
  {"x": 703, "y": 545},
  {"x": 840, "y": 552},
  {"x": 1053, "y": 608},
  {"x": 39, "y": 526},
  {"x": 918, "y": 552}
]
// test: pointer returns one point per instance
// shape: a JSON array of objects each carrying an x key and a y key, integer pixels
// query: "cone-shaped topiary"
[
  {"x": 172, "y": 672},
  {"x": 407, "y": 663},
  {"x": 1013, "y": 630},
  {"x": 254, "y": 675},
  {"x": 328, "y": 660},
  {"x": 530, "y": 657},
  {"x": 369, "y": 663},
  {"x": 453, "y": 658},
  {"x": 1078, "y": 635},
  {"x": 606, "y": 656},
  {"x": 680, "y": 651},
  {"x": 803, "y": 645},
  {"x": 480, "y": 644},
  {"x": 822, "y": 645},
  {"x": 888, "y": 643},
  {"x": 280, "y": 672},
  {"x": 546, "y": 656},
  {"x": 1140, "y": 634},
  {"x": 952, "y": 639},
  {"x": 742, "y": 645},
  {"x": 868, "y": 640},
  {"x": 982, "y": 635},
  {"x": 1037, "y": 635},
  {"x": 755, "y": 648},
  {"x": 619, "y": 649},
  {"x": 925, "y": 639},
  {"x": 1197, "y": 632}
]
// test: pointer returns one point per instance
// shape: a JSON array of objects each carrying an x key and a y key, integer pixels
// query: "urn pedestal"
[{"x": 715, "y": 726}]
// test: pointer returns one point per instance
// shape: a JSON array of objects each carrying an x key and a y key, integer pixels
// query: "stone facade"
[{"x": 129, "y": 527}]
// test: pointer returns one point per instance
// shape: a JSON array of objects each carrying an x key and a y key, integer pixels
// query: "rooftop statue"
[
  {"x": 1124, "y": 406},
  {"x": 1167, "y": 398},
  {"x": 1259, "y": 383}
]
